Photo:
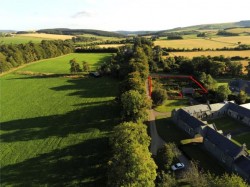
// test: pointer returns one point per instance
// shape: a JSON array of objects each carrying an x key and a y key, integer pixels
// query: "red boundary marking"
[{"x": 173, "y": 76}]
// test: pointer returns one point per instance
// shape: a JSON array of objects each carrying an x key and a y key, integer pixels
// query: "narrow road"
[{"x": 156, "y": 141}]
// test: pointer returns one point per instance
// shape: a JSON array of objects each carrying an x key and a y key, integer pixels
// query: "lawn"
[
  {"x": 61, "y": 64},
  {"x": 168, "y": 131},
  {"x": 54, "y": 130},
  {"x": 170, "y": 105},
  {"x": 226, "y": 124}
]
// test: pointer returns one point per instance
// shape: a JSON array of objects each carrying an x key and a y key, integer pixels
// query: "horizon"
[{"x": 119, "y": 15}]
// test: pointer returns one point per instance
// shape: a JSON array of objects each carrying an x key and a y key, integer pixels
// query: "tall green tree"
[
  {"x": 223, "y": 92},
  {"x": 131, "y": 164},
  {"x": 85, "y": 66},
  {"x": 134, "y": 106},
  {"x": 74, "y": 66}
]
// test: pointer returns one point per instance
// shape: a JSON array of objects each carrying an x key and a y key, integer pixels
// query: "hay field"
[
  {"x": 193, "y": 43},
  {"x": 239, "y": 30},
  {"x": 212, "y": 53},
  {"x": 234, "y": 39},
  {"x": 47, "y": 36},
  {"x": 110, "y": 45}
]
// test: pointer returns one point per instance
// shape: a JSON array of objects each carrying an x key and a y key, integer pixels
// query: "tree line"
[
  {"x": 15, "y": 55},
  {"x": 131, "y": 163}
]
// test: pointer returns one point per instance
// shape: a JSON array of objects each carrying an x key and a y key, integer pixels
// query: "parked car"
[{"x": 177, "y": 166}]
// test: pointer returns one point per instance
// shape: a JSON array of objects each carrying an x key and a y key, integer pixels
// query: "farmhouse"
[{"x": 193, "y": 121}]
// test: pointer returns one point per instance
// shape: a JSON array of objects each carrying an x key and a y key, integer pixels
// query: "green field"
[
  {"x": 61, "y": 64},
  {"x": 172, "y": 104},
  {"x": 19, "y": 40},
  {"x": 54, "y": 130}
]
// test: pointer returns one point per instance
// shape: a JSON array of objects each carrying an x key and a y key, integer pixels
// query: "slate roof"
[
  {"x": 189, "y": 120},
  {"x": 224, "y": 144},
  {"x": 244, "y": 164},
  {"x": 239, "y": 109},
  {"x": 239, "y": 84}
]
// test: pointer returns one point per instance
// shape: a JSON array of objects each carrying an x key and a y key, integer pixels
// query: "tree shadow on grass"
[
  {"x": 96, "y": 116},
  {"x": 77, "y": 165}
]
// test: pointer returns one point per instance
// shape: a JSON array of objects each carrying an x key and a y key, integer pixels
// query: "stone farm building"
[{"x": 193, "y": 121}]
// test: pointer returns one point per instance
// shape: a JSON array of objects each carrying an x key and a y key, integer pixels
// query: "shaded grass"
[
  {"x": 169, "y": 105},
  {"x": 169, "y": 132},
  {"x": 226, "y": 124},
  {"x": 196, "y": 153},
  {"x": 61, "y": 64},
  {"x": 54, "y": 130}
]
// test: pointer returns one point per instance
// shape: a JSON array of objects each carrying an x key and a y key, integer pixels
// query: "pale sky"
[{"x": 113, "y": 15}]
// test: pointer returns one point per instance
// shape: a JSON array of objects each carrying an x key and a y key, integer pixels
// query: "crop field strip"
[
  {"x": 54, "y": 129},
  {"x": 215, "y": 42}
]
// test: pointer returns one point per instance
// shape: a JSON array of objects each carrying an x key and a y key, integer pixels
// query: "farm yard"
[
  {"x": 54, "y": 130},
  {"x": 240, "y": 133}
]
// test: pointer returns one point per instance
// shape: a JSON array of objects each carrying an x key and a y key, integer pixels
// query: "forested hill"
[{"x": 80, "y": 31}]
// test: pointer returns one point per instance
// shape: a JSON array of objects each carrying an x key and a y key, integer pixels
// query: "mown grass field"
[
  {"x": 54, "y": 130},
  {"x": 33, "y": 37},
  {"x": 213, "y": 43}
]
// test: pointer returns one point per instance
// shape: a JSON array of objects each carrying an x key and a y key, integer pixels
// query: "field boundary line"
[{"x": 24, "y": 65}]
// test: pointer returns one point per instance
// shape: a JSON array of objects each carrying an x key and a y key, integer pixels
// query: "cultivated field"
[
  {"x": 54, "y": 129},
  {"x": 239, "y": 30},
  {"x": 110, "y": 45},
  {"x": 192, "y": 54},
  {"x": 47, "y": 36},
  {"x": 213, "y": 43}
]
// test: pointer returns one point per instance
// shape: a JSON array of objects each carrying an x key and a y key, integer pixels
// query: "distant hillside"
[
  {"x": 7, "y": 31},
  {"x": 217, "y": 26},
  {"x": 66, "y": 31},
  {"x": 135, "y": 32}
]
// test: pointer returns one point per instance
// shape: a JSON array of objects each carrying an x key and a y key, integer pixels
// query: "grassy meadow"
[
  {"x": 33, "y": 37},
  {"x": 54, "y": 130},
  {"x": 61, "y": 64}
]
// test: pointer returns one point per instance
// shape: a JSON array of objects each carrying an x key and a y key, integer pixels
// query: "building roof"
[
  {"x": 189, "y": 120},
  {"x": 217, "y": 106},
  {"x": 239, "y": 84},
  {"x": 243, "y": 163},
  {"x": 196, "y": 108},
  {"x": 224, "y": 144},
  {"x": 239, "y": 109},
  {"x": 247, "y": 106}
]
